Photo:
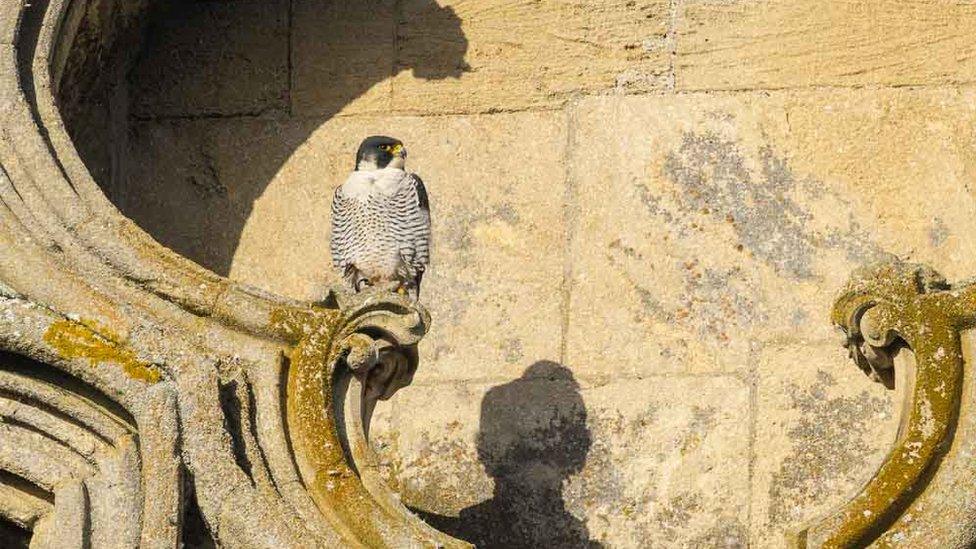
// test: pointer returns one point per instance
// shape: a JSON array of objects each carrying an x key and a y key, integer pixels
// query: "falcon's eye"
[{"x": 384, "y": 147}]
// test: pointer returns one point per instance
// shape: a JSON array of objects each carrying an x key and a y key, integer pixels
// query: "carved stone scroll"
[
  {"x": 903, "y": 324},
  {"x": 138, "y": 390}
]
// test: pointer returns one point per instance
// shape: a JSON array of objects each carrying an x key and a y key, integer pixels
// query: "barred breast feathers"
[{"x": 380, "y": 211}]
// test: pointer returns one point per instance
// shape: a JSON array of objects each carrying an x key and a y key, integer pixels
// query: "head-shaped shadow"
[
  {"x": 532, "y": 438},
  {"x": 221, "y": 95}
]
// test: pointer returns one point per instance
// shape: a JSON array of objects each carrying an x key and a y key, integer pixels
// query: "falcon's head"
[{"x": 379, "y": 151}]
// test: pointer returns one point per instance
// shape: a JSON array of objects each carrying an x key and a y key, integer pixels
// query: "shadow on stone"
[
  {"x": 13, "y": 536},
  {"x": 188, "y": 134},
  {"x": 531, "y": 439}
]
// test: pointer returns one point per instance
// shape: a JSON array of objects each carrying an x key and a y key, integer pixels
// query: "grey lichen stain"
[
  {"x": 506, "y": 213},
  {"x": 718, "y": 302},
  {"x": 676, "y": 514},
  {"x": 703, "y": 421},
  {"x": 799, "y": 317},
  {"x": 712, "y": 177},
  {"x": 600, "y": 490},
  {"x": 726, "y": 534},
  {"x": 938, "y": 233},
  {"x": 769, "y": 210},
  {"x": 453, "y": 300},
  {"x": 714, "y": 301},
  {"x": 830, "y": 448},
  {"x": 459, "y": 223},
  {"x": 647, "y": 517},
  {"x": 513, "y": 351}
]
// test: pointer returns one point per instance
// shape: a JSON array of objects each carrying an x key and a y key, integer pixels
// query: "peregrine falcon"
[{"x": 381, "y": 220}]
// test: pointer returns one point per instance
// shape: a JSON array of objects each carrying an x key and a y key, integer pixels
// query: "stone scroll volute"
[{"x": 904, "y": 325}]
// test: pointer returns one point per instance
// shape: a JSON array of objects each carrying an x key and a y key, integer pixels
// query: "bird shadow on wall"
[
  {"x": 223, "y": 93},
  {"x": 532, "y": 437}
]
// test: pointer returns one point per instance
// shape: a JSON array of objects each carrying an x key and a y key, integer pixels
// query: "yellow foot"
[{"x": 401, "y": 290}]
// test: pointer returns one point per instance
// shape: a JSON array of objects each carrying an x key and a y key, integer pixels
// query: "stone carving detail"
[
  {"x": 903, "y": 323},
  {"x": 145, "y": 401},
  {"x": 870, "y": 349}
]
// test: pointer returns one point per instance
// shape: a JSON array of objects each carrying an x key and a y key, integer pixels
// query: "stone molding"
[
  {"x": 904, "y": 325},
  {"x": 131, "y": 377}
]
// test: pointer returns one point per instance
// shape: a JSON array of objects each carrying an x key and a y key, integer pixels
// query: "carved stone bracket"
[
  {"x": 371, "y": 341},
  {"x": 134, "y": 384},
  {"x": 903, "y": 323}
]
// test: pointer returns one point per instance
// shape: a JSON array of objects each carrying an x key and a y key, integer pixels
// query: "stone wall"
[{"x": 642, "y": 213}]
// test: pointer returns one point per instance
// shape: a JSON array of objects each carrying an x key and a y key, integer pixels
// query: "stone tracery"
[{"x": 204, "y": 382}]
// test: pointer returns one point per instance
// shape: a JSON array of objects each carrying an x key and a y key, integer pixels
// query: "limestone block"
[
  {"x": 214, "y": 58},
  {"x": 908, "y": 158},
  {"x": 176, "y": 188},
  {"x": 494, "y": 286},
  {"x": 194, "y": 183},
  {"x": 343, "y": 55},
  {"x": 525, "y": 54},
  {"x": 166, "y": 150},
  {"x": 669, "y": 463},
  {"x": 662, "y": 279},
  {"x": 708, "y": 225},
  {"x": 633, "y": 463},
  {"x": 822, "y": 429},
  {"x": 412, "y": 449},
  {"x": 761, "y": 44}
]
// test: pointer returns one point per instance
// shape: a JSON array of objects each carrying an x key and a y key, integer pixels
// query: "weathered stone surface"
[
  {"x": 707, "y": 225},
  {"x": 179, "y": 158},
  {"x": 669, "y": 223},
  {"x": 422, "y": 56},
  {"x": 634, "y": 463},
  {"x": 494, "y": 287},
  {"x": 527, "y": 54},
  {"x": 890, "y": 149},
  {"x": 822, "y": 429},
  {"x": 343, "y": 56},
  {"x": 679, "y": 253},
  {"x": 214, "y": 58},
  {"x": 761, "y": 44},
  {"x": 193, "y": 185}
]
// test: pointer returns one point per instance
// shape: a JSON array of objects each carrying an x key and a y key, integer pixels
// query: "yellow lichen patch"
[
  {"x": 89, "y": 341},
  {"x": 914, "y": 303},
  {"x": 333, "y": 485},
  {"x": 294, "y": 324}
]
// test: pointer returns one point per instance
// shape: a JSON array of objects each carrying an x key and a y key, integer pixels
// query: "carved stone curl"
[
  {"x": 373, "y": 341},
  {"x": 137, "y": 388},
  {"x": 870, "y": 347},
  {"x": 904, "y": 323}
]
